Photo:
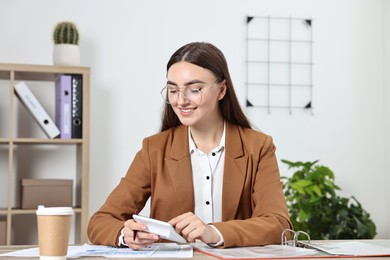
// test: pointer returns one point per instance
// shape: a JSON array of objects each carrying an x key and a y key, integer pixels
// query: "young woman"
[{"x": 208, "y": 172}]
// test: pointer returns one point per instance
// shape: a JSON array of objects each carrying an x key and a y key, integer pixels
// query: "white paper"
[
  {"x": 329, "y": 249},
  {"x": 270, "y": 251},
  {"x": 167, "y": 250},
  {"x": 352, "y": 248}
]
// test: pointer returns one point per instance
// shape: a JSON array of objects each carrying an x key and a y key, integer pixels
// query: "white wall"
[
  {"x": 386, "y": 10},
  {"x": 127, "y": 45}
]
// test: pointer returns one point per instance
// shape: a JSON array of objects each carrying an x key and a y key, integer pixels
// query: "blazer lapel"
[
  {"x": 179, "y": 164},
  {"x": 234, "y": 172}
]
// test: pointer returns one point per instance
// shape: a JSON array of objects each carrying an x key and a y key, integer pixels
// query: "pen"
[{"x": 135, "y": 231}]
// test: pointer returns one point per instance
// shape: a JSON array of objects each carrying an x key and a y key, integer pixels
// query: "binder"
[
  {"x": 77, "y": 106},
  {"x": 345, "y": 249},
  {"x": 293, "y": 248},
  {"x": 63, "y": 111},
  {"x": 28, "y": 99},
  {"x": 351, "y": 248}
]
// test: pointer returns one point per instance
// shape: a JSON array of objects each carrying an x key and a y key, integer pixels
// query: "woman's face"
[{"x": 194, "y": 94}]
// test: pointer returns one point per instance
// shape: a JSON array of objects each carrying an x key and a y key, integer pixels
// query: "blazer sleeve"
[
  {"x": 268, "y": 210},
  {"x": 130, "y": 194}
]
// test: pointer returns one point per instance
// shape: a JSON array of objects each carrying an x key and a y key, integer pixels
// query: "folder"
[
  {"x": 28, "y": 99},
  {"x": 77, "y": 106},
  {"x": 63, "y": 111},
  {"x": 293, "y": 248},
  {"x": 337, "y": 249},
  {"x": 345, "y": 248}
]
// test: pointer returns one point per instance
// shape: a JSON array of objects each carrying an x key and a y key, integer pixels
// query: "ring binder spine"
[
  {"x": 63, "y": 107},
  {"x": 294, "y": 238},
  {"x": 77, "y": 109},
  {"x": 29, "y": 100}
]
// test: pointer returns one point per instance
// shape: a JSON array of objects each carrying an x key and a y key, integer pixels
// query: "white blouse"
[{"x": 207, "y": 175}]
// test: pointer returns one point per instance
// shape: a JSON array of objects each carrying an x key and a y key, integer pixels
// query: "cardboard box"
[
  {"x": 3, "y": 228},
  {"x": 47, "y": 192}
]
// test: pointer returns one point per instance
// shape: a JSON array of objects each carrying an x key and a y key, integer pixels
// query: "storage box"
[
  {"x": 47, "y": 192},
  {"x": 3, "y": 228}
]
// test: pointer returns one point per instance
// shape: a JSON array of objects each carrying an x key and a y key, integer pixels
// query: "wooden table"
[
  {"x": 197, "y": 255},
  {"x": 6, "y": 249}
]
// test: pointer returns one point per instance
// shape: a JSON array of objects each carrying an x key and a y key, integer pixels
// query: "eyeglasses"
[{"x": 193, "y": 94}]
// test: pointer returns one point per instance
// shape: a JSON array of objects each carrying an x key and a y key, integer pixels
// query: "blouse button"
[
  {"x": 207, "y": 202},
  {"x": 208, "y": 178}
]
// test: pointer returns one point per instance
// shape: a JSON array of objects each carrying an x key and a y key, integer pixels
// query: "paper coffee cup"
[{"x": 53, "y": 231}]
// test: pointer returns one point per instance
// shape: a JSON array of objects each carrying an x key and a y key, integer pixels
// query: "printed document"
[
  {"x": 316, "y": 249},
  {"x": 157, "y": 250}
]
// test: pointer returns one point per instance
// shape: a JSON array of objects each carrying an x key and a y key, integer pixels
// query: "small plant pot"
[{"x": 66, "y": 55}]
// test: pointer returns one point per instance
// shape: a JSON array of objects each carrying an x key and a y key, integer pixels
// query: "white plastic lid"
[{"x": 42, "y": 210}]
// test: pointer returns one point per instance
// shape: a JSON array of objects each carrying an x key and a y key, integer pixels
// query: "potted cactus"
[{"x": 66, "y": 48}]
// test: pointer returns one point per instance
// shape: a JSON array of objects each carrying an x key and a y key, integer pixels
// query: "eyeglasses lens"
[{"x": 171, "y": 95}]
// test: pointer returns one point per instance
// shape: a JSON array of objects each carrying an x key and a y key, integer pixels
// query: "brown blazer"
[{"x": 254, "y": 210}]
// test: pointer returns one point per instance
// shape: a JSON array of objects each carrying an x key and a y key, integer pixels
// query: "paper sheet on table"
[
  {"x": 318, "y": 249},
  {"x": 257, "y": 252},
  {"x": 351, "y": 248},
  {"x": 167, "y": 250}
]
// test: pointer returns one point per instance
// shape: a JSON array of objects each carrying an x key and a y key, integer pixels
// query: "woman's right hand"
[{"x": 142, "y": 239}]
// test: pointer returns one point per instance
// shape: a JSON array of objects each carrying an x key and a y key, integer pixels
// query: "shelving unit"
[{"x": 19, "y": 146}]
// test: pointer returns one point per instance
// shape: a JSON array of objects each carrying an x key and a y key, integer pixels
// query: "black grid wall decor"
[{"x": 279, "y": 63}]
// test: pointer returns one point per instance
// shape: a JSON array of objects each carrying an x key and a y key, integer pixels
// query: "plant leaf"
[{"x": 314, "y": 206}]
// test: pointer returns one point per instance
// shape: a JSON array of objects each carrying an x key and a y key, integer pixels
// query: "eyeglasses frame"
[{"x": 182, "y": 92}]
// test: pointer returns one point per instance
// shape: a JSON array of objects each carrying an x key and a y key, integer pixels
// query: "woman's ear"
[{"x": 222, "y": 90}]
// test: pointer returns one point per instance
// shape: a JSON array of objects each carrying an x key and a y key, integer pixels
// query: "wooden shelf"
[
  {"x": 29, "y": 211},
  {"x": 10, "y": 74},
  {"x": 40, "y": 141}
]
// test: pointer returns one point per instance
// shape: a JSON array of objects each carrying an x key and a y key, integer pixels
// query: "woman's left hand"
[{"x": 191, "y": 227}]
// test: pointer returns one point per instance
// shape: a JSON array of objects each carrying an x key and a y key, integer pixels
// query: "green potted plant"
[
  {"x": 66, "y": 48},
  {"x": 316, "y": 209}
]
